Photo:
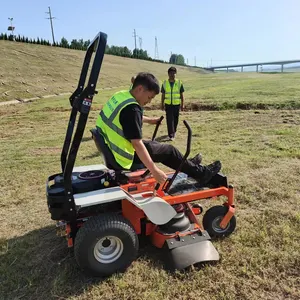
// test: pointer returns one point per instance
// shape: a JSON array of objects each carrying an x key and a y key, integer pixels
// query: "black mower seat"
[{"x": 109, "y": 159}]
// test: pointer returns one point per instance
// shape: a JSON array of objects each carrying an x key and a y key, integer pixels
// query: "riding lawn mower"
[{"x": 104, "y": 210}]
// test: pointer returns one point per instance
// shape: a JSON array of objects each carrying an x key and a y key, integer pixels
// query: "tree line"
[{"x": 80, "y": 44}]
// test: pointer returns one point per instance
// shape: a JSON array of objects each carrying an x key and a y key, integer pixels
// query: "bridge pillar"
[
  {"x": 242, "y": 68},
  {"x": 227, "y": 69},
  {"x": 256, "y": 68},
  {"x": 281, "y": 68}
]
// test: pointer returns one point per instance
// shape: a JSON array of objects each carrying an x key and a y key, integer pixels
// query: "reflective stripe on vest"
[
  {"x": 109, "y": 125},
  {"x": 172, "y": 94}
]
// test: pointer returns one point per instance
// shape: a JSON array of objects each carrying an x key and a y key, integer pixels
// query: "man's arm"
[
  {"x": 144, "y": 156},
  {"x": 181, "y": 97},
  {"x": 150, "y": 120},
  {"x": 163, "y": 97},
  {"x": 182, "y": 101}
]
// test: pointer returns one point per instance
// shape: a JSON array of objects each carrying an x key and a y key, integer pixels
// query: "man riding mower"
[{"x": 103, "y": 209}]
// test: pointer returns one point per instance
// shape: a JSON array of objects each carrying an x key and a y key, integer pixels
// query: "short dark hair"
[
  {"x": 148, "y": 81},
  {"x": 172, "y": 69}
]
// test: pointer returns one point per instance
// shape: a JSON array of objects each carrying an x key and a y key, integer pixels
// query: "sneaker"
[
  {"x": 210, "y": 171},
  {"x": 197, "y": 159}
]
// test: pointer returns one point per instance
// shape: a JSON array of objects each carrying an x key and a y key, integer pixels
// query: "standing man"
[{"x": 172, "y": 101}]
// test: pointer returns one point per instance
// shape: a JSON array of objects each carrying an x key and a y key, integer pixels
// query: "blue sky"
[{"x": 217, "y": 31}]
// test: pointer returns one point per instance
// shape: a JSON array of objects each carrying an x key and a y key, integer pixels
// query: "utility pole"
[
  {"x": 156, "y": 56},
  {"x": 50, "y": 18},
  {"x": 141, "y": 42},
  {"x": 134, "y": 35},
  {"x": 11, "y": 27},
  {"x": 195, "y": 61},
  {"x": 187, "y": 61}
]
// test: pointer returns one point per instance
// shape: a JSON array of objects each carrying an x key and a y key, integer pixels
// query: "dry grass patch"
[{"x": 260, "y": 155}]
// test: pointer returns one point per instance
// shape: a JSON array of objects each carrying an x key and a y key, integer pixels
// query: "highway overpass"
[{"x": 227, "y": 67}]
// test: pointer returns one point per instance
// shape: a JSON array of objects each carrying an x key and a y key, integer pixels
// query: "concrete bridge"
[{"x": 227, "y": 67}]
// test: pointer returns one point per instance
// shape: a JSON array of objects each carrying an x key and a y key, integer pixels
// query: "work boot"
[
  {"x": 210, "y": 171},
  {"x": 197, "y": 159}
]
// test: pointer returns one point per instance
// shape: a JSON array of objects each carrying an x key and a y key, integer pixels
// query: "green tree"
[
  {"x": 86, "y": 44},
  {"x": 177, "y": 59},
  {"x": 80, "y": 44},
  {"x": 140, "y": 53},
  {"x": 173, "y": 59},
  {"x": 74, "y": 44},
  {"x": 180, "y": 60},
  {"x": 64, "y": 43}
]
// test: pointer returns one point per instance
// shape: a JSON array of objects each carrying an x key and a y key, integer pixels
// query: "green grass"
[
  {"x": 260, "y": 154},
  {"x": 28, "y": 70},
  {"x": 244, "y": 91},
  {"x": 259, "y": 150}
]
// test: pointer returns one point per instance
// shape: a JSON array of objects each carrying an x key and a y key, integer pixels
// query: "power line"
[
  {"x": 156, "y": 56},
  {"x": 51, "y": 24},
  {"x": 134, "y": 35}
]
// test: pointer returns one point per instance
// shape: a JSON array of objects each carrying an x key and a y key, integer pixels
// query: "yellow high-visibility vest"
[
  {"x": 109, "y": 125},
  {"x": 172, "y": 94}
]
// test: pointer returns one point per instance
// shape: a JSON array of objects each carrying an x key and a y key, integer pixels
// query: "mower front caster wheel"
[
  {"x": 106, "y": 244},
  {"x": 212, "y": 219}
]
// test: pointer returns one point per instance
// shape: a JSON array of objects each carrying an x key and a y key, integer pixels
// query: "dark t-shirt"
[
  {"x": 131, "y": 119},
  {"x": 171, "y": 84}
]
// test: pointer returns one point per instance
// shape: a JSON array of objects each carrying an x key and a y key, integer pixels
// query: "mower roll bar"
[{"x": 81, "y": 102}]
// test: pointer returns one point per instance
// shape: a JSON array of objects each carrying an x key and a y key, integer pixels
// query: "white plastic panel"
[
  {"x": 99, "y": 196},
  {"x": 89, "y": 168},
  {"x": 156, "y": 209}
]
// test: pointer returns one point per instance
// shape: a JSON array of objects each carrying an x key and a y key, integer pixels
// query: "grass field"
[
  {"x": 28, "y": 70},
  {"x": 260, "y": 152},
  {"x": 33, "y": 70}
]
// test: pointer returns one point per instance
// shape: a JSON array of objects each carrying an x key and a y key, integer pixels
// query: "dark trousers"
[
  {"x": 170, "y": 156},
  {"x": 172, "y": 113}
]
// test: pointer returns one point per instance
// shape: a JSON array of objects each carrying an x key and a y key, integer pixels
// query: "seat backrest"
[{"x": 107, "y": 155}]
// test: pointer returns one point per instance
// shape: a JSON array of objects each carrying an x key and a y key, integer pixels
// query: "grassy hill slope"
[{"x": 28, "y": 70}]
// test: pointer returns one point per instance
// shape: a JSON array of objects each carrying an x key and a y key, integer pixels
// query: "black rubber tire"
[
  {"x": 99, "y": 227},
  {"x": 210, "y": 220}
]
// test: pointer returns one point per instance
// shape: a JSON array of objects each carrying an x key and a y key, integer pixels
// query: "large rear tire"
[{"x": 106, "y": 244}]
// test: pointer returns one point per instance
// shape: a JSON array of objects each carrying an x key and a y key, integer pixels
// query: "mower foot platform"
[
  {"x": 183, "y": 252},
  {"x": 185, "y": 185}
]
